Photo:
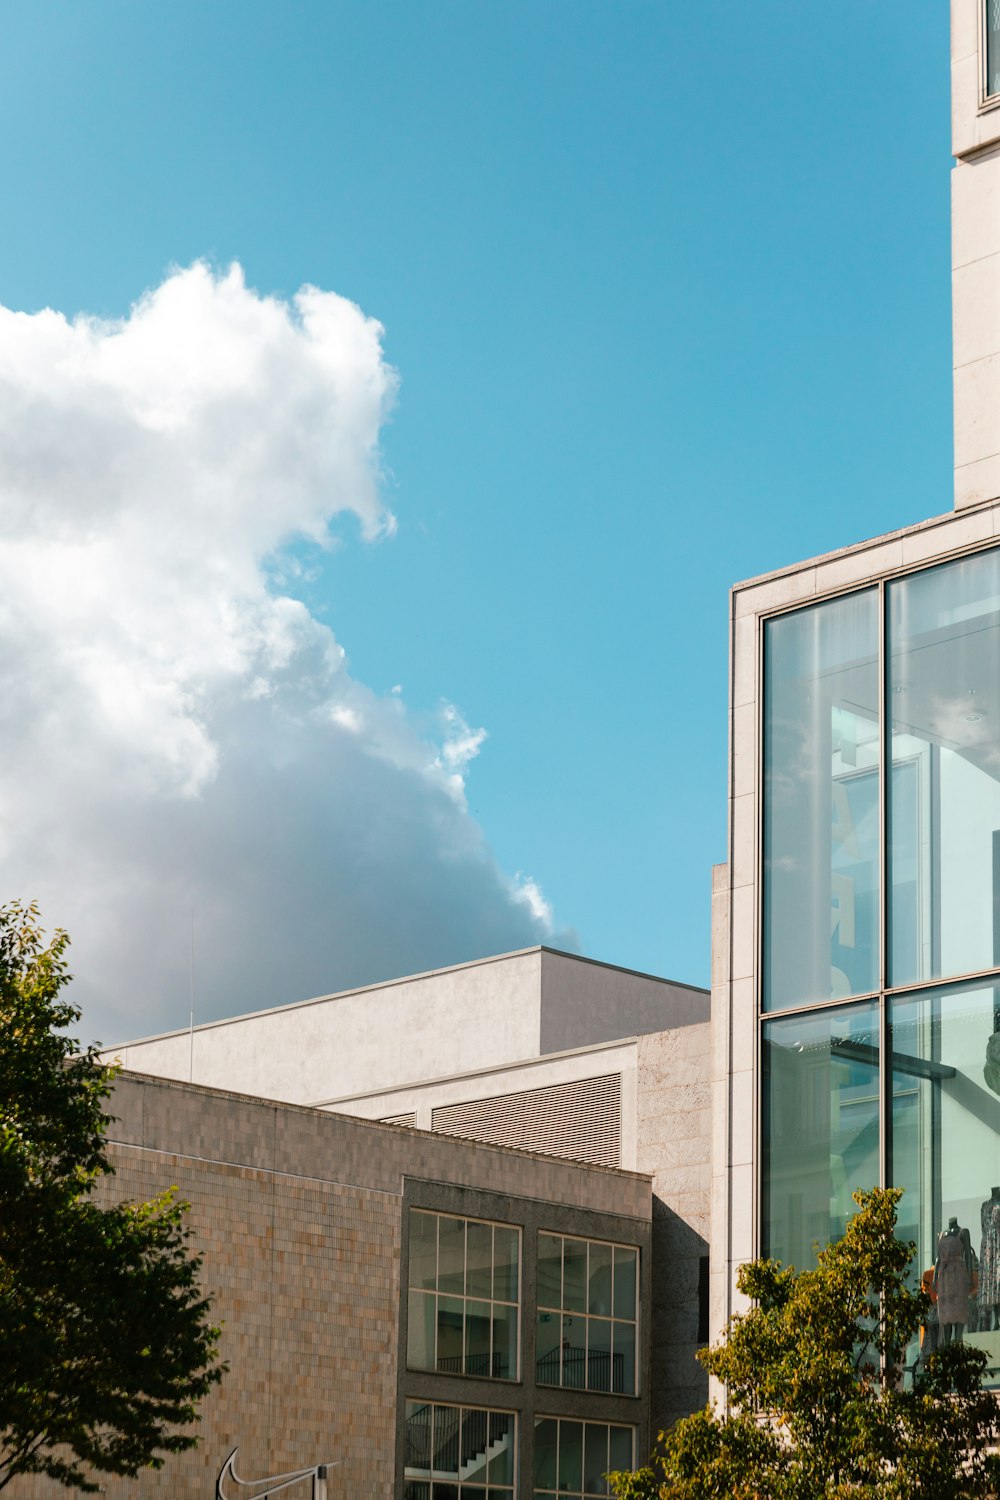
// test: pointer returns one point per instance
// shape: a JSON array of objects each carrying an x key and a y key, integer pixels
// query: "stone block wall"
[{"x": 674, "y": 1135}]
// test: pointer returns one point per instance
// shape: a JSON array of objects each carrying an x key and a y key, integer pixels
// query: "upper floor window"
[
  {"x": 463, "y": 1296},
  {"x": 587, "y": 1314},
  {"x": 902, "y": 788},
  {"x": 992, "y": 47}
]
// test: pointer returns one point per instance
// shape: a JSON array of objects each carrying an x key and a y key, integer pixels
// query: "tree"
[
  {"x": 821, "y": 1404},
  {"x": 105, "y": 1341}
]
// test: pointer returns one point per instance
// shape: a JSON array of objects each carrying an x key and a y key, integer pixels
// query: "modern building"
[
  {"x": 856, "y": 982},
  {"x": 539, "y": 1050},
  {"x": 442, "y": 1319}
]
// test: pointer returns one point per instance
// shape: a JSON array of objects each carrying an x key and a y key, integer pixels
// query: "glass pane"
[
  {"x": 479, "y": 1261},
  {"x": 574, "y": 1351},
  {"x": 506, "y": 1246},
  {"x": 821, "y": 751},
  {"x": 451, "y": 1255},
  {"x": 418, "y": 1437},
  {"x": 449, "y": 1335},
  {"x": 599, "y": 1280},
  {"x": 444, "y": 1454},
  {"x": 414, "y": 1490},
  {"x": 625, "y": 1269},
  {"x": 502, "y": 1448},
  {"x": 620, "y": 1456},
  {"x": 546, "y": 1429},
  {"x": 549, "y": 1271},
  {"x": 420, "y": 1330},
  {"x": 477, "y": 1338},
  {"x": 423, "y": 1249},
  {"x": 599, "y": 1354},
  {"x": 475, "y": 1441},
  {"x": 623, "y": 1359},
  {"x": 445, "y": 1491},
  {"x": 943, "y": 685},
  {"x": 473, "y": 1492},
  {"x": 992, "y": 47},
  {"x": 570, "y": 1455},
  {"x": 548, "y": 1351},
  {"x": 820, "y": 1127},
  {"x": 504, "y": 1341},
  {"x": 595, "y": 1458},
  {"x": 946, "y": 1155},
  {"x": 575, "y": 1275}
]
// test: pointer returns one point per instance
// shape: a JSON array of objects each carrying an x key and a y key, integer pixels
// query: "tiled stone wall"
[
  {"x": 674, "y": 1146},
  {"x": 298, "y": 1213}
]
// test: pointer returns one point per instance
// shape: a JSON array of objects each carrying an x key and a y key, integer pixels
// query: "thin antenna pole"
[{"x": 191, "y": 1030}]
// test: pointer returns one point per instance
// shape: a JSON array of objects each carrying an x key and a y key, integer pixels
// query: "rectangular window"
[
  {"x": 992, "y": 48},
  {"x": 946, "y": 1156},
  {"x": 943, "y": 696},
  {"x": 462, "y": 1316},
  {"x": 572, "y": 1458},
  {"x": 459, "y": 1452},
  {"x": 820, "y": 1078},
  {"x": 821, "y": 802},
  {"x": 586, "y": 1335}
]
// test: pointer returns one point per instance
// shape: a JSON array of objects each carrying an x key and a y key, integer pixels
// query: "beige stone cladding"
[
  {"x": 673, "y": 1144},
  {"x": 298, "y": 1215}
]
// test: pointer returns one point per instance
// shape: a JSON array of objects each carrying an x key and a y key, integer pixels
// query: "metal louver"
[{"x": 579, "y": 1120}]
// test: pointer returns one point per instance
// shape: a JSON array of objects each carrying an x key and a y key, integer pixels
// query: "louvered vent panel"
[
  {"x": 579, "y": 1120},
  {"x": 409, "y": 1119}
]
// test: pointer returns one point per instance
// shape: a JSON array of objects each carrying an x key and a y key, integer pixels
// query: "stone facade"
[
  {"x": 300, "y": 1216},
  {"x": 674, "y": 1143}
]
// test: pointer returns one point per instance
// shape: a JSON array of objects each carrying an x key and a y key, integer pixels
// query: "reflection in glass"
[
  {"x": 946, "y": 1156},
  {"x": 549, "y": 1270},
  {"x": 479, "y": 1260},
  {"x": 548, "y": 1348},
  {"x": 575, "y": 1275},
  {"x": 820, "y": 1126},
  {"x": 546, "y": 1432},
  {"x": 572, "y": 1458},
  {"x": 506, "y": 1246},
  {"x": 992, "y": 47},
  {"x": 599, "y": 1279},
  {"x": 943, "y": 692},
  {"x": 599, "y": 1354},
  {"x": 623, "y": 1362},
  {"x": 625, "y": 1269},
  {"x": 821, "y": 802}
]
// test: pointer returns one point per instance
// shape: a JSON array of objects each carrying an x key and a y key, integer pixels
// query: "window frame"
[
  {"x": 587, "y": 1317},
  {"x": 436, "y": 1295}
]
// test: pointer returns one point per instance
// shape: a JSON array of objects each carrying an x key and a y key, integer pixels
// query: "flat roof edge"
[{"x": 388, "y": 984}]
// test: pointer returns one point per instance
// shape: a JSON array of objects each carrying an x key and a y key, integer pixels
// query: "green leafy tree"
[
  {"x": 105, "y": 1340},
  {"x": 819, "y": 1404}
]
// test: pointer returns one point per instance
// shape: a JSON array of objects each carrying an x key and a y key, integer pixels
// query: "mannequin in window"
[
  {"x": 953, "y": 1281},
  {"x": 989, "y": 1263}
]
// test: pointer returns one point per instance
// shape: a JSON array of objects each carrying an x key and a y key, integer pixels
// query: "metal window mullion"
[{"x": 885, "y": 797}]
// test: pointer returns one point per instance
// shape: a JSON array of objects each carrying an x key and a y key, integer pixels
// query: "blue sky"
[{"x": 668, "y": 297}]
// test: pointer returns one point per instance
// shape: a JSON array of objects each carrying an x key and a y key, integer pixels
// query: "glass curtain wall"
[{"x": 881, "y": 885}]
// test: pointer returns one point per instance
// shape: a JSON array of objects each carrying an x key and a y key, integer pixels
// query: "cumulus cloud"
[{"x": 180, "y": 734}]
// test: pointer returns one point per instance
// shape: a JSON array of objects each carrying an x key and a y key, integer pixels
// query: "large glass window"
[
  {"x": 943, "y": 679},
  {"x": 821, "y": 802},
  {"x": 992, "y": 18},
  {"x": 931, "y": 841},
  {"x": 821, "y": 1126},
  {"x": 463, "y": 1296},
  {"x": 572, "y": 1458},
  {"x": 587, "y": 1314},
  {"x": 458, "y": 1453},
  {"x": 946, "y": 1155}
]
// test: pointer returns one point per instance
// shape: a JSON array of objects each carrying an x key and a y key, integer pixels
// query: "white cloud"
[{"x": 173, "y": 722}]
